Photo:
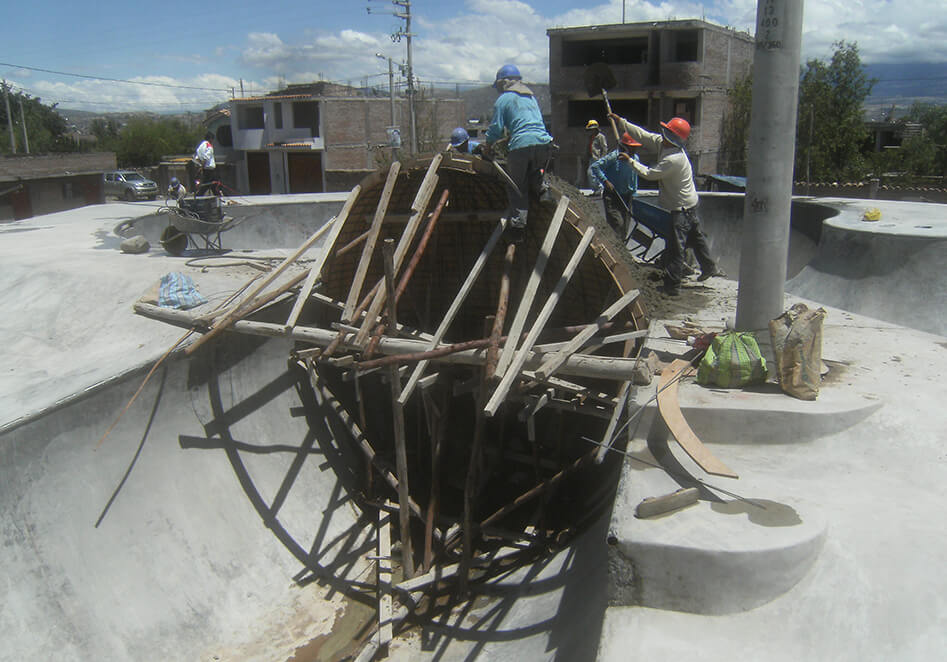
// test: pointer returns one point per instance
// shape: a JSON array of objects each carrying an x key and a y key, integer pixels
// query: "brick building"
[
  {"x": 33, "y": 185},
  {"x": 326, "y": 137},
  {"x": 663, "y": 69}
]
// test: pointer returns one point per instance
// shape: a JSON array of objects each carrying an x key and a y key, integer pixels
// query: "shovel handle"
[{"x": 608, "y": 108}]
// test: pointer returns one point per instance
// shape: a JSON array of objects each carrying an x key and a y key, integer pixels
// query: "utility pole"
[
  {"x": 409, "y": 69},
  {"x": 26, "y": 137},
  {"x": 766, "y": 210},
  {"x": 6, "y": 100}
]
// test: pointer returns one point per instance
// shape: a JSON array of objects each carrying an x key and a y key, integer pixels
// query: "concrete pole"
[
  {"x": 765, "y": 247},
  {"x": 26, "y": 136},
  {"x": 414, "y": 129},
  {"x": 391, "y": 89},
  {"x": 6, "y": 100}
]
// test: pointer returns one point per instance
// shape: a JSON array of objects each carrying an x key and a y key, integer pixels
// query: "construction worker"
[
  {"x": 597, "y": 147},
  {"x": 176, "y": 191},
  {"x": 516, "y": 113},
  {"x": 204, "y": 156},
  {"x": 615, "y": 175},
  {"x": 461, "y": 142},
  {"x": 677, "y": 195}
]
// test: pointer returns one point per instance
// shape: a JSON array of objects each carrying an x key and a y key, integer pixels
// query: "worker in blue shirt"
[
  {"x": 516, "y": 113},
  {"x": 615, "y": 175},
  {"x": 460, "y": 141}
]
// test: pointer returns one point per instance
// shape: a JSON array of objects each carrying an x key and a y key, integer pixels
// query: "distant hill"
[
  {"x": 901, "y": 84},
  {"x": 479, "y": 101}
]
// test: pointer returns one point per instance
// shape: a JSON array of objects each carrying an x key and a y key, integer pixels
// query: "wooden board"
[{"x": 670, "y": 410}]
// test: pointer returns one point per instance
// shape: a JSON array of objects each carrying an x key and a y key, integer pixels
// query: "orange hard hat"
[
  {"x": 679, "y": 127},
  {"x": 628, "y": 141}
]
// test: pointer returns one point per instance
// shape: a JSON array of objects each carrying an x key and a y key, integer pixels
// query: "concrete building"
[
  {"x": 326, "y": 137},
  {"x": 32, "y": 185},
  {"x": 663, "y": 69}
]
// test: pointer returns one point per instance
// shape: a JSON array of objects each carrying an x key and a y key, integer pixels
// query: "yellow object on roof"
[{"x": 873, "y": 214}]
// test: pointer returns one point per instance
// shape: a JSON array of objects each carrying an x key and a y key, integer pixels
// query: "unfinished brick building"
[
  {"x": 326, "y": 137},
  {"x": 663, "y": 69}
]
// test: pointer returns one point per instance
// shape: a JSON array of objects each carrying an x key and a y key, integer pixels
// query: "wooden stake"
[
  {"x": 385, "y": 629},
  {"x": 493, "y": 353},
  {"x": 523, "y": 353},
  {"x": 526, "y": 301},
  {"x": 369, "y": 248}
]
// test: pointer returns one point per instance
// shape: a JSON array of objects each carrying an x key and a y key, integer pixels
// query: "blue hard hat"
[
  {"x": 174, "y": 181},
  {"x": 507, "y": 71},
  {"x": 459, "y": 136}
]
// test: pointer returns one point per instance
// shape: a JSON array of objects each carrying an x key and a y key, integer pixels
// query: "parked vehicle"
[{"x": 130, "y": 185}]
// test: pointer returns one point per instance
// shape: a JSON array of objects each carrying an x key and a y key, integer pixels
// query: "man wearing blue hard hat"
[
  {"x": 461, "y": 142},
  {"x": 516, "y": 112}
]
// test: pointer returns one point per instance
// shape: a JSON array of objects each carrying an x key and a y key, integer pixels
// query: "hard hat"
[
  {"x": 628, "y": 141},
  {"x": 459, "y": 136},
  {"x": 678, "y": 128},
  {"x": 507, "y": 71},
  {"x": 174, "y": 181},
  {"x": 592, "y": 124}
]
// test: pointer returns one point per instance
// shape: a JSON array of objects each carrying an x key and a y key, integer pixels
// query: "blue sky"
[{"x": 179, "y": 45}]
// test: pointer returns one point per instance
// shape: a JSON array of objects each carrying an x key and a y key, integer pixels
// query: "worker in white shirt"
[
  {"x": 204, "y": 156},
  {"x": 676, "y": 194}
]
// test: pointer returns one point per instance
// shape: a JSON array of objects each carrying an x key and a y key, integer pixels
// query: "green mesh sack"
[{"x": 732, "y": 360}]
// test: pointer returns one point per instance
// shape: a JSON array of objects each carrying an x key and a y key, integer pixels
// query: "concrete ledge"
[{"x": 718, "y": 556}]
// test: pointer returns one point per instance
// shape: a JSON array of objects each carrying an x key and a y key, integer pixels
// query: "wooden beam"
[
  {"x": 315, "y": 270},
  {"x": 555, "y": 361},
  {"x": 526, "y": 301},
  {"x": 454, "y": 307},
  {"x": 369, "y": 248},
  {"x": 503, "y": 300},
  {"x": 523, "y": 353},
  {"x": 385, "y": 627}
]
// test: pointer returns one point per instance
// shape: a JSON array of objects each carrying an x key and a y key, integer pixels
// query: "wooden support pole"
[
  {"x": 362, "y": 270},
  {"x": 397, "y": 411},
  {"x": 315, "y": 270},
  {"x": 419, "y": 207},
  {"x": 385, "y": 628},
  {"x": 555, "y": 361},
  {"x": 437, "y": 426},
  {"x": 239, "y": 310},
  {"x": 532, "y": 285},
  {"x": 499, "y": 320},
  {"x": 523, "y": 353},
  {"x": 455, "y": 307}
]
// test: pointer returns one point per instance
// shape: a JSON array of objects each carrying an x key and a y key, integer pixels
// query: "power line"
[{"x": 116, "y": 80}]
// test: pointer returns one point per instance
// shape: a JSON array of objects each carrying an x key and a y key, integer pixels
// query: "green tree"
[
  {"x": 143, "y": 141},
  {"x": 830, "y": 129},
  {"x": 45, "y": 127},
  {"x": 736, "y": 127},
  {"x": 927, "y": 154}
]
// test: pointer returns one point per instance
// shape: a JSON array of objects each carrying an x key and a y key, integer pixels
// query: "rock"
[
  {"x": 136, "y": 244},
  {"x": 649, "y": 365}
]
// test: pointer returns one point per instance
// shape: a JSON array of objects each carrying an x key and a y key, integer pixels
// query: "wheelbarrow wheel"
[{"x": 173, "y": 240}]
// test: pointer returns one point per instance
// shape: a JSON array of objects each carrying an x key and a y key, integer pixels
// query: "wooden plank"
[
  {"x": 239, "y": 310},
  {"x": 419, "y": 207},
  {"x": 385, "y": 626},
  {"x": 555, "y": 361},
  {"x": 613, "y": 422},
  {"x": 369, "y": 248},
  {"x": 670, "y": 410},
  {"x": 454, "y": 307},
  {"x": 499, "y": 320},
  {"x": 525, "y": 350},
  {"x": 315, "y": 270},
  {"x": 526, "y": 301}
]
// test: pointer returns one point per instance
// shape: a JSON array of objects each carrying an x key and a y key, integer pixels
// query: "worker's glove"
[
  {"x": 486, "y": 151},
  {"x": 623, "y": 157},
  {"x": 609, "y": 186}
]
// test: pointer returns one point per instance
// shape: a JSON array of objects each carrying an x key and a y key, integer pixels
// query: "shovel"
[{"x": 598, "y": 78}]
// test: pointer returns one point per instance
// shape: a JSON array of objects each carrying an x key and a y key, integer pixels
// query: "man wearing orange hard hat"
[{"x": 676, "y": 194}]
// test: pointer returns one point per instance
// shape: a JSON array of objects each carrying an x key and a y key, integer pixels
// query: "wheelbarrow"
[
  {"x": 656, "y": 220},
  {"x": 196, "y": 222}
]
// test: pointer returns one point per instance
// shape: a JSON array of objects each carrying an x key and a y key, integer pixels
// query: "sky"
[{"x": 191, "y": 55}]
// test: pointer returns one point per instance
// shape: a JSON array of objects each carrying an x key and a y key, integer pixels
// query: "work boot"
[{"x": 716, "y": 271}]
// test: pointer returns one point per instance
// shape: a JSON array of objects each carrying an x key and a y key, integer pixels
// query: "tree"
[
  {"x": 45, "y": 127},
  {"x": 736, "y": 127},
  {"x": 927, "y": 154},
  {"x": 143, "y": 141},
  {"x": 830, "y": 130}
]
